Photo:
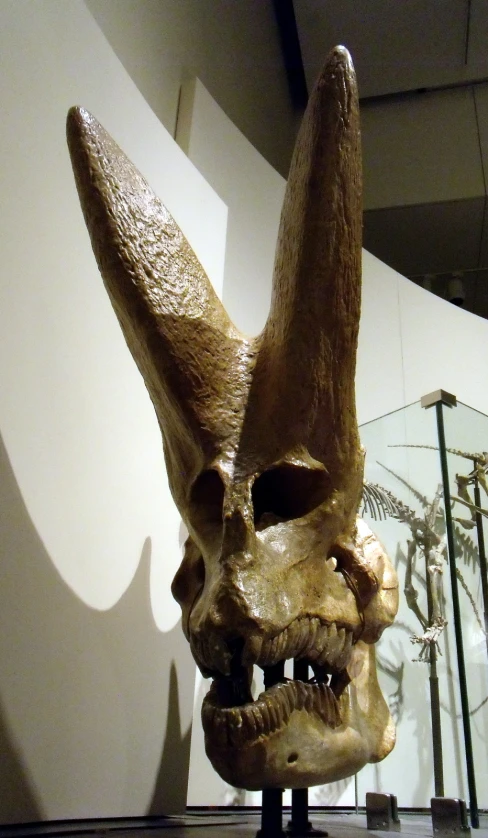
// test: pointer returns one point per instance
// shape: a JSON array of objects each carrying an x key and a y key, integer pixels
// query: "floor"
[{"x": 220, "y": 824}]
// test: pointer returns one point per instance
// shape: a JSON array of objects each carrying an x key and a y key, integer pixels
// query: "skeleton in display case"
[
  {"x": 262, "y": 452},
  {"x": 380, "y": 503},
  {"x": 478, "y": 476}
]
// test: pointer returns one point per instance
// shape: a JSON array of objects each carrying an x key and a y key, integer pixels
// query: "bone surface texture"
[{"x": 262, "y": 451}]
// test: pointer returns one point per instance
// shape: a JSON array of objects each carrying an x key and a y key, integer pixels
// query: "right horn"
[{"x": 308, "y": 352}]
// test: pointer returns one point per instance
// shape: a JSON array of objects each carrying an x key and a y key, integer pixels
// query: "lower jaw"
[{"x": 305, "y": 752}]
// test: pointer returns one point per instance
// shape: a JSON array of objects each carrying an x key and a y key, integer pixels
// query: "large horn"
[
  {"x": 304, "y": 380},
  {"x": 191, "y": 357}
]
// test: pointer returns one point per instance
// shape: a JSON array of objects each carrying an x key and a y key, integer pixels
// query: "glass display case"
[{"x": 433, "y": 663}]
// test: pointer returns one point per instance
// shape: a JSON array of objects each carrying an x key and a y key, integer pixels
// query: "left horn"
[{"x": 175, "y": 326}]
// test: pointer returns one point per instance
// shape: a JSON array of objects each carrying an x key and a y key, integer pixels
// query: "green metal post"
[{"x": 473, "y": 802}]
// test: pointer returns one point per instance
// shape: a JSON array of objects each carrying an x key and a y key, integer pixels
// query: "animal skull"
[{"x": 262, "y": 452}]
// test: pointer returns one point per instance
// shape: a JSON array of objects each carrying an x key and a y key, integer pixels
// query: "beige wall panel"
[
  {"x": 396, "y": 46},
  {"x": 253, "y": 192},
  {"x": 96, "y": 681},
  {"x": 421, "y": 149},
  {"x": 481, "y": 100},
  {"x": 232, "y": 47},
  {"x": 432, "y": 238}
]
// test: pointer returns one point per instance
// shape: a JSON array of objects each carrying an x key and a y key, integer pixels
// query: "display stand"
[
  {"x": 382, "y": 812},
  {"x": 272, "y": 799},
  {"x": 449, "y": 817},
  {"x": 299, "y": 824},
  {"x": 271, "y": 814}
]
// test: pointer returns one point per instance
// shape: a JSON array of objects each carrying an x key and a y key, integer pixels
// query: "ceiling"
[{"x": 422, "y": 68}]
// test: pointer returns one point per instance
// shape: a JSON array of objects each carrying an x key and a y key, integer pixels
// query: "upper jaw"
[{"x": 319, "y": 642}]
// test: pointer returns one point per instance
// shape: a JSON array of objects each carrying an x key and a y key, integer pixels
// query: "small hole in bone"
[
  {"x": 293, "y": 758},
  {"x": 286, "y": 492}
]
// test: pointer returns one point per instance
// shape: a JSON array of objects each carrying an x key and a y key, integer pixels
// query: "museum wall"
[
  {"x": 96, "y": 680},
  {"x": 232, "y": 47}
]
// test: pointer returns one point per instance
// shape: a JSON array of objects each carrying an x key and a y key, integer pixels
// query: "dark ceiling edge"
[{"x": 292, "y": 53}]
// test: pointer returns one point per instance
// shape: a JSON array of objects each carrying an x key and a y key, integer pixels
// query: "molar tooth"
[
  {"x": 249, "y": 722},
  {"x": 293, "y": 633},
  {"x": 302, "y": 641},
  {"x": 284, "y": 703},
  {"x": 274, "y": 712},
  {"x": 234, "y": 725},
  {"x": 252, "y": 649},
  {"x": 314, "y": 627},
  {"x": 343, "y": 659},
  {"x": 324, "y": 703},
  {"x": 336, "y": 643},
  {"x": 219, "y": 654},
  {"x": 309, "y": 697},
  {"x": 263, "y": 706},
  {"x": 287, "y": 700},
  {"x": 292, "y": 694},
  {"x": 281, "y": 646},
  {"x": 258, "y": 718},
  {"x": 320, "y": 640},
  {"x": 301, "y": 692},
  {"x": 275, "y": 646},
  {"x": 341, "y": 637},
  {"x": 324, "y": 652},
  {"x": 312, "y": 631},
  {"x": 265, "y": 654},
  {"x": 329, "y": 653},
  {"x": 336, "y": 711}
]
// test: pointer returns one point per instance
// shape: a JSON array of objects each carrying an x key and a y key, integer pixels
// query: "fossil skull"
[{"x": 262, "y": 452}]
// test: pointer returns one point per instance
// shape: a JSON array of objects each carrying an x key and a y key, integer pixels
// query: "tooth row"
[
  {"x": 306, "y": 637},
  {"x": 271, "y": 711}
]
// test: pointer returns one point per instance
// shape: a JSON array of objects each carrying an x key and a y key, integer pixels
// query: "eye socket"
[
  {"x": 207, "y": 497},
  {"x": 287, "y": 492}
]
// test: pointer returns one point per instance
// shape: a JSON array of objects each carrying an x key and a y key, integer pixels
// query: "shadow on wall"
[
  {"x": 18, "y": 802},
  {"x": 91, "y": 703},
  {"x": 176, "y": 750}
]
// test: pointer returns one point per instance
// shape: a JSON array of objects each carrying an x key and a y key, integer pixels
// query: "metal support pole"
[
  {"x": 482, "y": 555},
  {"x": 435, "y": 706},
  {"x": 271, "y": 814},
  {"x": 299, "y": 824},
  {"x": 473, "y": 802},
  {"x": 272, "y": 799}
]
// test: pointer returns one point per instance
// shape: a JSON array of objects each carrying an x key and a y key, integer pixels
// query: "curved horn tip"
[
  {"x": 338, "y": 62},
  {"x": 77, "y": 121}
]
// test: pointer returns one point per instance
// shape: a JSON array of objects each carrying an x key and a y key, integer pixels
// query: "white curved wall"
[{"x": 95, "y": 676}]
